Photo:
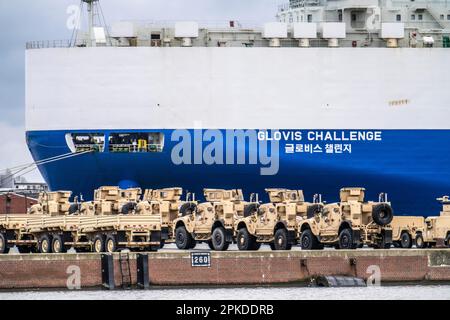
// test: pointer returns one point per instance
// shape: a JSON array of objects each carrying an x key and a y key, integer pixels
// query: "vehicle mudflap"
[
  {"x": 356, "y": 236},
  {"x": 292, "y": 237},
  {"x": 155, "y": 236},
  {"x": 165, "y": 233},
  {"x": 387, "y": 235},
  {"x": 229, "y": 233}
]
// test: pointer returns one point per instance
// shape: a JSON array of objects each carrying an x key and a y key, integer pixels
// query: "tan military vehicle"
[
  {"x": 167, "y": 204},
  {"x": 437, "y": 229},
  {"x": 349, "y": 224},
  {"x": 212, "y": 221},
  {"x": 274, "y": 223},
  {"x": 406, "y": 229}
]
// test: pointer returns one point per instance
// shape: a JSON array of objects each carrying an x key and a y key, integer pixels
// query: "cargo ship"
[{"x": 330, "y": 94}]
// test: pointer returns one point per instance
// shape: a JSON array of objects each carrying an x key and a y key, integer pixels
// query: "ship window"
[
  {"x": 310, "y": 17},
  {"x": 442, "y": 17},
  {"x": 413, "y": 17},
  {"x": 340, "y": 17},
  {"x": 399, "y": 17},
  {"x": 448, "y": 17},
  {"x": 136, "y": 142},
  {"x": 82, "y": 142},
  {"x": 420, "y": 16}
]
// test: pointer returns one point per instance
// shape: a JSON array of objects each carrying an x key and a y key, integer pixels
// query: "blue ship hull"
[{"x": 412, "y": 166}]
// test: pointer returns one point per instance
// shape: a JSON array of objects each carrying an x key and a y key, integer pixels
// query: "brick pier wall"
[{"x": 229, "y": 268}]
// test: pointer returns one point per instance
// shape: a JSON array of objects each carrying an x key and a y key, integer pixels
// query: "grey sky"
[{"x": 25, "y": 20}]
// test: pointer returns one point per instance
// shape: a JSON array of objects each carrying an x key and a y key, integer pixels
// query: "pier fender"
[{"x": 337, "y": 281}]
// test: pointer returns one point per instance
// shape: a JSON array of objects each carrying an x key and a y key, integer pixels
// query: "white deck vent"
[
  {"x": 187, "y": 31},
  {"x": 333, "y": 31},
  {"x": 304, "y": 32},
  {"x": 274, "y": 31},
  {"x": 391, "y": 32}
]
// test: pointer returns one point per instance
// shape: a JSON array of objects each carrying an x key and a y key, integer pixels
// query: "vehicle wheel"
[
  {"x": 281, "y": 240},
  {"x": 193, "y": 244},
  {"x": 111, "y": 244},
  {"x": 3, "y": 244},
  {"x": 420, "y": 243},
  {"x": 183, "y": 239},
  {"x": 58, "y": 244},
  {"x": 256, "y": 246},
  {"x": 405, "y": 240},
  {"x": 245, "y": 241},
  {"x": 382, "y": 214},
  {"x": 210, "y": 245},
  {"x": 24, "y": 249},
  {"x": 162, "y": 244},
  {"x": 219, "y": 239},
  {"x": 346, "y": 241},
  {"x": 99, "y": 244},
  {"x": 45, "y": 244},
  {"x": 308, "y": 241},
  {"x": 382, "y": 244},
  {"x": 447, "y": 240},
  {"x": 272, "y": 246},
  {"x": 397, "y": 244}
]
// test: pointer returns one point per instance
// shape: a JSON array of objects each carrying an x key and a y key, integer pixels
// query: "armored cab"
[
  {"x": 436, "y": 229},
  {"x": 112, "y": 201},
  {"x": 212, "y": 221},
  {"x": 275, "y": 223},
  {"x": 350, "y": 223},
  {"x": 166, "y": 203},
  {"x": 52, "y": 203}
]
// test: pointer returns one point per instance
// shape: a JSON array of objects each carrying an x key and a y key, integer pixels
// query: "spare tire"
[
  {"x": 313, "y": 210},
  {"x": 127, "y": 208},
  {"x": 187, "y": 209},
  {"x": 250, "y": 209},
  {"x": 73, "y": 208},
  {"x": 382, "y": 214}
]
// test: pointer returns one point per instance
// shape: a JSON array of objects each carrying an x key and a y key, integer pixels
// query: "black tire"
[
  {"x": 58, "y": 245},
  {"x": 308, "y": 241},
  {"x": 73, "y": 208},
  {"x": 405, "y": 240},
  {"x": 183, "y": 239},
  {"x": 111, "y": 245},
  {"x": 383, "y": 244},
  {"x": 382, "y": 214},
  {"x": 45, "y": 244},
  {"x": 3, "y": 244},
  {"x": 210, "y": 245},
  {"x": 99, "y": 244},
  {"x": 250, "y": 209},
  {"x": 193, "y": 244},
  {"x": 256, "y": 246},
  {"x": 187, "y": 209},
  {"x": 245, "y": 241},
  {"x": 346, "y": 241},
  {"x": 281, "y": 240},
  {"x": 162, "y": 244},
  {"x": 128, "y": 208},
  {"x": 313, "y": 210},
  {"x": 420, "y": 243},
  {"x": 447, "y": 240},
  {"x": 219, "y": 239}
]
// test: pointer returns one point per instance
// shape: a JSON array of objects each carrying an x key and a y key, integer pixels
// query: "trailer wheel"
[
  {"x": 111, "y": 243},
  {"x": 420, "y": 243},
  {"x": 281, "y": 240},
  {"x": 3, "y": 244},
  {"x": 219, "y": 239},
  {"x": 308, "y": 241},
  {"x": 346, "y": 240},
  {"x": 58, "y": 244},
  {"x": 405, "y": 240},
  {"x": 382, "y": 214},
  {"x": 45, "y": 244},
  {"x": 245, "y": 241},
  {"x": 99, "y": 244},
  {"x": 183, "y": 239}
]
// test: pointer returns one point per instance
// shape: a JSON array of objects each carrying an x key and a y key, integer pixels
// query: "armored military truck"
[
  {"x": 274, "y": 223},
  {"x": 211, "y": 222},
  {"x": 349, "y": 224},
  {"x": 436, "y": 231},
  {"x": 167, "y": 204},
  {"x": 406, "y": 229}
]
